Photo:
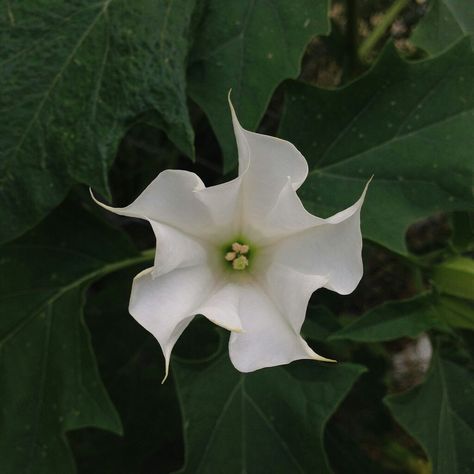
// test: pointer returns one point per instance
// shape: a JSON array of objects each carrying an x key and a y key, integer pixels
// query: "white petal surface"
[
  {"x": 174, "y": 249},
  {"x": 332, "y": 250},
  {"x": 266, "y": 164},
  {"x": 180, "y": 199},
  {"x": 288, "y": 216},
  {"x": 222, "y": 307},
  {"x": 165, "y": 305},
  {"x": 267, "y": 338},
  {"x": 291, "y": 291}
]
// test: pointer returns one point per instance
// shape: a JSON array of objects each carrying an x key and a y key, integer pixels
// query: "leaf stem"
[
  {"x": 144, "y": 256},
  {"x": 371, "y": 41}
]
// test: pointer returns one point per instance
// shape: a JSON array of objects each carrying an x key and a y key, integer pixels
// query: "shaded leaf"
[
  {"x": 394, "y": 319},
  {"x": 320, "y": 323},
  {"x": 457, "y": 312},
  {"x": 455, "y": 277},
  {"x": 403, "y": 123},
  {"x": 439, "y": 415},
  {"x": 74, "y": 76},
  {"x": 444, "y": 24},
  {"x": 49, "y": 383},
  {"x": 272, "y": 419},
  {"x": 131, "y": 365},
  {"x": 250, "y": 47}
]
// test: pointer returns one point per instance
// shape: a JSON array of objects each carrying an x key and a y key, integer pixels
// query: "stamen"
[
  {"x": 229, "y": 256},
  {"x": 236, "y": 256},
  {"x": 236, "y": 247},
  {"x": 240, "y": 263}
]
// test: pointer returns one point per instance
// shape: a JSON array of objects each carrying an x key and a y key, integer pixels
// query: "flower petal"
[
  {"x": 291, "y": 291},
  {"x": 166, "y": 305},
  {"x": 174, "y": 249},
  {"x": 222, "y": 307},
  {"x": 267, "y": 338},
  {"x": 332, "y": 250},
  {"x": 288, "y": 216},
  {"x": 179, "y": 199},
  {"x": 265, "y": 165}
]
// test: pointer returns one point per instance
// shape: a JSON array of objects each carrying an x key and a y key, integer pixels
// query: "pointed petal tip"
[
  {"x": 167, "y": 368},
  {"x": 323, "y": 359},
  {"x": 101, "y": 204},
  {"x": 94, "y": 198}
]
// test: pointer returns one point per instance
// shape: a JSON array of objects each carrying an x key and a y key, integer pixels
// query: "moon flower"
[{"x": 245, "y": 254}]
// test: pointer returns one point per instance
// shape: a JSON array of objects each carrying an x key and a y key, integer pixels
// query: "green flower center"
[{"x": 237, "y": 255}]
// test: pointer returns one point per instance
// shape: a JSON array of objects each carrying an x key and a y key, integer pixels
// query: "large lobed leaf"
[
  {"x": 74, "y": 75},
  {"x": 272, "y": 420},
  {"x": 439, "y": 415},
  {"x": 49, "y": 382},
  {"x": 403, "y": 123},
  {"x": 249, "y": 46}
]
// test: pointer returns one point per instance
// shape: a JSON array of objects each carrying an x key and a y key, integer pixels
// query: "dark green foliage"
[
  {"x": 249, "y": 46},
  {"x": 74, "y": 76},
  {"x": 439, "y": 414},
  {"x": 401, "y": 123},
  {"x": 49, "y": 382},
  {"x": 445, "y": 22},
  {"x": 272, "y": 418},
  {"x": 90, "y": 86}
]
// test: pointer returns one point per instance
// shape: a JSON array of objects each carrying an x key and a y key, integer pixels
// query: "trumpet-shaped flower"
[{"x": 245, "y": 254}]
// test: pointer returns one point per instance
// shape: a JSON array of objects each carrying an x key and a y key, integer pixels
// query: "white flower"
[{"x": 245, "y": 254}]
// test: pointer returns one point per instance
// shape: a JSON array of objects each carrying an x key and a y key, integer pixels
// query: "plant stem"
[
  {"x": 145, "y": 256},
  {"x": 371, "y": 41}
]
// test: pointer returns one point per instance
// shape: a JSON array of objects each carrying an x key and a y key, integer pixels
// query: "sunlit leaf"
[{"x": 455, "y": 277}]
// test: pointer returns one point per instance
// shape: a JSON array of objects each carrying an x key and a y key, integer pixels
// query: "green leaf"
[
  {"x": 131, "y": 366},
  {"x": 439, "y": 415},
  {"x": 457, "y": 312},
  {"x": 273, "y": 418},
  {"x": 394, "y": 319},
  {"x": 403, "y": 123},
  {"x": 444, "y": 24},
  {"x": 455, "y": 277},
  {"x": 50, "y": 383},
  {"x": 320, "y": 323},
  {"x": 249, "y": 46},
  {"x": 74, "y": 76}
]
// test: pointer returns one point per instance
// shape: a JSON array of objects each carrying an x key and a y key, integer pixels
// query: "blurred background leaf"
[
  {"x": 439, "y": 414},
  {"x": 394, "y": 319},
  {"x": 444, "y": 24}
]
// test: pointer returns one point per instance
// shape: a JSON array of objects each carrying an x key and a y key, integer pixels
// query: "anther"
[{"x": 240, "y": 263}]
